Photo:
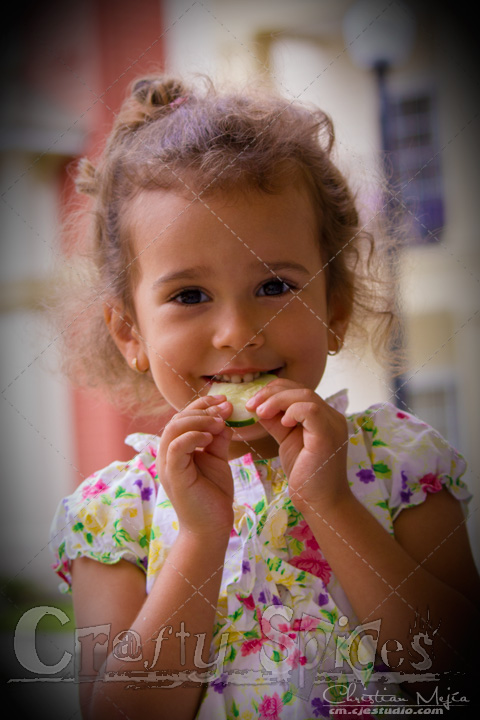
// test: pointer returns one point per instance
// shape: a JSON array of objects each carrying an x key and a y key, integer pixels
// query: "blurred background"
[{"x": 399, "y": 81}]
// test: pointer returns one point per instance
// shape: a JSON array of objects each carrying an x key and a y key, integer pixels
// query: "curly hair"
[{"x": 200, "y": 140}]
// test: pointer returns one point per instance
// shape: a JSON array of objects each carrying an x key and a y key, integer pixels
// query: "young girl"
[{"x": 310, "y": 561}]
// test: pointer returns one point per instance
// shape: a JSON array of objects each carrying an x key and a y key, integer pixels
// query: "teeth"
[{"x": 248, "y": 377}]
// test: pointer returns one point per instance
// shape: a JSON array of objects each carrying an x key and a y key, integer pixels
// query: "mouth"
[{"x": 237, "y": 377}]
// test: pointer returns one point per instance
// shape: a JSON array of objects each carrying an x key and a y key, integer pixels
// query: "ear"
[
  {"x": 339, "y": 317},
  {"x": 121, "y": 327}
]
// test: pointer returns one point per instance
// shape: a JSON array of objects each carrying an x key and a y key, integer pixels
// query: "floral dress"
[{"x": 286, "y": 643}]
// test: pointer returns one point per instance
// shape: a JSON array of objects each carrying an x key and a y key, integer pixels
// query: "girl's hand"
[
  {"x": 312, "y": 438},
  {"x": 193, "y": 467}
]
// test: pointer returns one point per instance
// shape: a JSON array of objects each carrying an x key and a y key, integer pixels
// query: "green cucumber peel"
[{"x": 238, "y": 394}]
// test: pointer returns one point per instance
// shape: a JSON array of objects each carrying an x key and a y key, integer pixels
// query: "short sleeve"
[
  {"x": 108, "y": 518},
  {"x": 411, "y": 458}
]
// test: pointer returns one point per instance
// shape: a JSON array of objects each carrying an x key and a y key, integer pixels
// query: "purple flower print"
[
  {"x": 144, "y": 562},
  {"x": 366, "y": 475},
  {"x": 145, "y": 493},
  {"x": 245, "y": 566},
  {"x": 321, "y": 707},
  {"x": 262, "y": 599},
  {"x": 221, "y": 683},
  {"x": 405, "y": 492},
  {"x": 322, "y": 599}
]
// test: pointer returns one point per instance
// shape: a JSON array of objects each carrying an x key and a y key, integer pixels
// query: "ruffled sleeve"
[
  {"x": 410, "y": 457},
  {"x": 109, "y": 516}
]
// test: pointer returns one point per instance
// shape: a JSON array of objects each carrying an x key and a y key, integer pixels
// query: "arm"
[
  {"x": 426, "y": 568},
  {"x": 185, "y": 592},
  {"x": 193, "y": 468},
  {"x": 408, "y": 580}
]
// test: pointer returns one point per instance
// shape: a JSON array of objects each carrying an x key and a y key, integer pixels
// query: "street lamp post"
[{"x": 379, "y": 36}]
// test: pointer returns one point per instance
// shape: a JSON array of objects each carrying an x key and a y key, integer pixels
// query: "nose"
[{"x": 238, "y": 327}]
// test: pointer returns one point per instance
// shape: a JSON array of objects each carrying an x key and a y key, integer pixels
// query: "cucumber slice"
[{"x": 238, "y": 394}]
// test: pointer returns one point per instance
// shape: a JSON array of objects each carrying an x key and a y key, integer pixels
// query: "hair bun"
[
  {"x": 86, "y": 181},
  {"x": 158, "y": 91}
]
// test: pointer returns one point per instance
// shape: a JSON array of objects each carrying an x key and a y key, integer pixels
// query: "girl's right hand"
[{"x": 192, "y": 465}]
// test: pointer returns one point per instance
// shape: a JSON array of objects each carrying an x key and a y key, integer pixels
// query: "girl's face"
[{"x": 214, "y": 300}]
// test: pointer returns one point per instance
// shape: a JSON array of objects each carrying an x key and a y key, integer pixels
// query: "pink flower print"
[
  {"x": 94, "y": 490},
  {"x": 312, "y": 561},
  {"x": 270, "y": 707},
  {"x": 287, "y": 631},
  {"x": 430, "y": 483},
  {"x": 250, "y": 647},
  {"x": 303, "y": 533},
  {"x": 305, "y": 623},
  {"x": 248, "y": 602},
  {"x": 295, "y": 659},
  {"x": 402, "y": 415}
]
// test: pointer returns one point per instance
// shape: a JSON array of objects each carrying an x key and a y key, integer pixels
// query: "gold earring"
[
  {"x": 136, "y": 368},
  {"x": 339, "y": 345}
]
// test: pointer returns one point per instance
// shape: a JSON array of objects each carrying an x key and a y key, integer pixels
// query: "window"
[{"x": 415, "y": 164}]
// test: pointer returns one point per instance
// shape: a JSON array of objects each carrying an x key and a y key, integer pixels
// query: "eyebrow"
[{"x": 194, "y": 272}]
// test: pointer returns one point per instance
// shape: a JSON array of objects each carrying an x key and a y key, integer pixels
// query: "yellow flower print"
[
  {"x": 156, "y": 556},
  {"x": 275, "y": 528},
  {"x": 247, "y": 715},
  {"x": 95, "y": 516}
]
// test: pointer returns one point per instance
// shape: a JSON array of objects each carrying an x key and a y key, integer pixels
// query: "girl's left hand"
[{"x": 313, "y": 440}]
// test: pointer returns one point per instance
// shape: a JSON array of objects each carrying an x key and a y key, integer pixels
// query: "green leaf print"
[
  {"x": 287, "y": 697},
  {"x": 106, "y": 499},
  {"x": 143, "y": 540},
  {"x": 378, "y": 443},
  {"x": 238, "y": 613},
  {"x": 77, "y": 527},
  {"x": 61, "y": 550},
  {"x": 332, "y": 617},
  {"x": 120, "y": 535},
  {"x": 165, "y": 504},
  {"x": 259, "y": 507},
  {"x": 89, "y": 538},
  {"x": 251, "y": 635},
  {"x": 121, "y": 492},
  {"x": 231, "y": 655},
  {"x": 296, "y": 546},
  {"x": 381, "y": 469}
]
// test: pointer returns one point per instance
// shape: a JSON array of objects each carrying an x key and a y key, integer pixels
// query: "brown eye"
[
  {"x": 274, "y": 287},
  {"x": 191, "y": 296}
]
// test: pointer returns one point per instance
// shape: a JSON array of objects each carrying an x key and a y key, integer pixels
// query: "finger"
[
  {"x": 270, "y": 389},
  {"x": 204, "y": 402},
  {"x": 180, "y": 450},
  {"x": 199, "y": 422},
  {"x": 281, "y": 401},
  {"x": 221, "y": 443}
]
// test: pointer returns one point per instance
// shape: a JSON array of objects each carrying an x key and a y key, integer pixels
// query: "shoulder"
[
  {"x": 404, "y": 455},
  {"x": 109, "y": 515}
]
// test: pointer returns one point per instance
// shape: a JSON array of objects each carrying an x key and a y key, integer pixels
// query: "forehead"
[{"x": 250, "y": 219}]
